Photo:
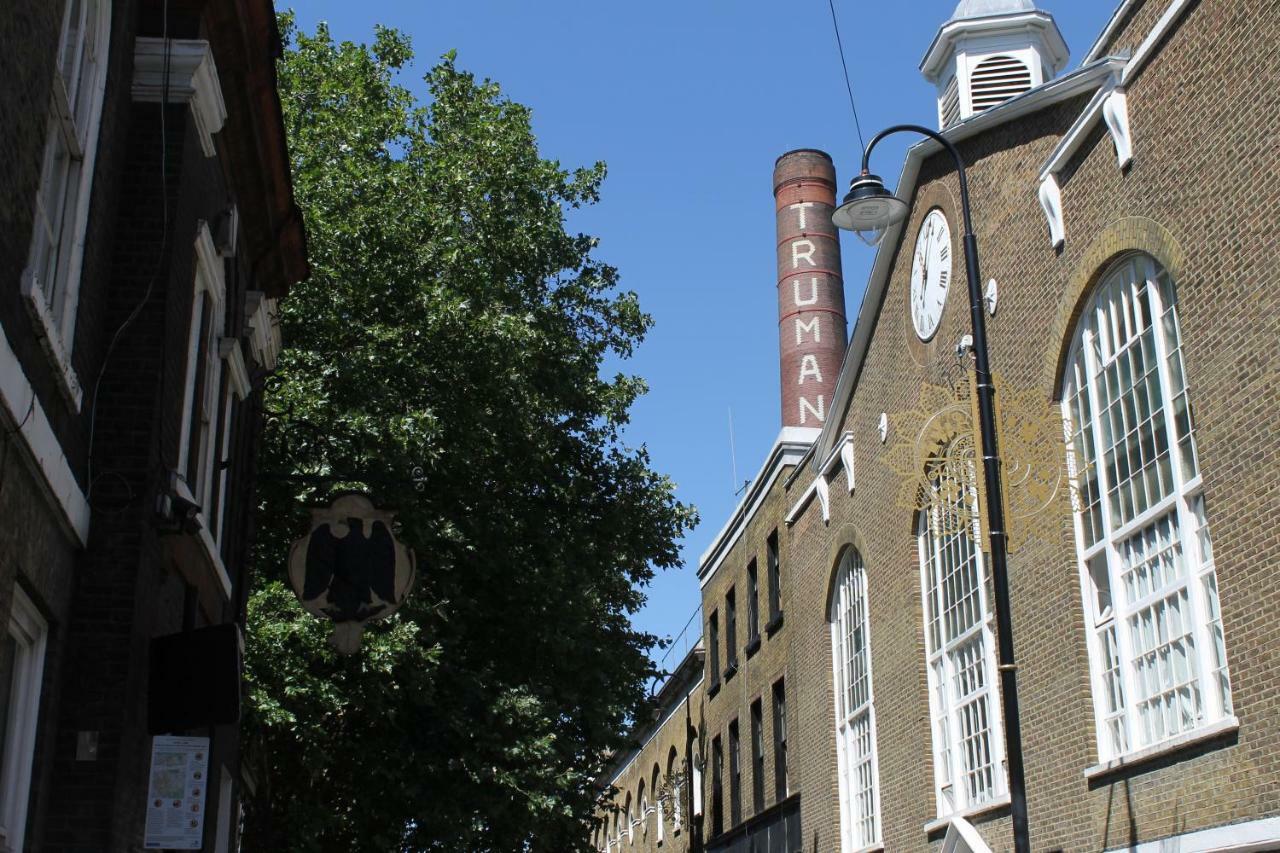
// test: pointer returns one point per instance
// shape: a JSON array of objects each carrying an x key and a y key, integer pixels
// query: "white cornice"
[
  {"x": 213, "y": 276},
  {"x": 788, "y": 449},
  {"x": 193, "y": 78},
  {"x": 229, "y": 349},
  {"x": 1063, "y": 88},
  {"x": 264, "y": 328},
  {"x": 940, "y": 48}
]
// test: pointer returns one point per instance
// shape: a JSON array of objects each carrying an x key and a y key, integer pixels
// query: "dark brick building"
[
  {"x": 147, "y": 230},
  {"x": 1122, "y": 214}
]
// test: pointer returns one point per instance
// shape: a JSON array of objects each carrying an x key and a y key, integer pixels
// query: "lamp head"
[{"x": 869, "y": 209}]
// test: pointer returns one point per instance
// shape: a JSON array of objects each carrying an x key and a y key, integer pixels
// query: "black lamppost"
[{"x": 869, "y": 209}]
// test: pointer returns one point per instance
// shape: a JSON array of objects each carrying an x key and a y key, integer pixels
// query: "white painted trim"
[
  {"x": 51, "y": 339},
  {"x": 193, "y": 78},
  {"x": 229, "y": 349},
  {"x": 30, "y": 632},
  {"x": 1039, "y": 22},
  {"x": 1115, "y": 112},
  {"x": 1112, "y": 106},
  {"x": 1104, "y": 37},
  {"x": 1089, "y": 78},
  {"x": 1129, "y": 759},
  {"x": 206, "y": 538},
  {"x": 45, "y": 452},
  {"x": 788, "y": 449},
  {"x": 1148, "y": 47},
  {"x": 962, "y": 838},
  {"x": 1050, "y": 195},
  {"x": 1261, "y": 834},
  {"x": 264, "y": 338},
  {"x": 820, "y": 487},
  {"x": 210, "y": 267}
]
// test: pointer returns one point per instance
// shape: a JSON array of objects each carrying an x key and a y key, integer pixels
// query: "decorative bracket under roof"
[
  {"x": 1111, "y": 105},
  {"x": 841, "y": 456}
]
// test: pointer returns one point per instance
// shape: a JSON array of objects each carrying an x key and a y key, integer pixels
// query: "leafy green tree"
[{"x": 447, "y": 354}]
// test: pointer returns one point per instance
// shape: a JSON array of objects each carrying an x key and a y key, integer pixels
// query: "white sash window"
[
  {"x": 21, "y": 670},
  {"x": 968, "y": 740},
  {"x": 1159, "y": 664},
  {"x": 855, "y": 714},
  {"x": 51, "y": 281}
]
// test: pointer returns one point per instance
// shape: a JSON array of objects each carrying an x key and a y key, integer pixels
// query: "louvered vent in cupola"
[
  {"x": 997, "y": 79},
  {"x": 949, "y": 106}
]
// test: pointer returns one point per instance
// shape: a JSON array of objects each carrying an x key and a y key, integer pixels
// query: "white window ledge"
[
  {"x": 874, "y": 848},
  {"x": 941, "y": 823},
  {"x": 208, "y": 546},
  {"x": 1159, "y": 750},
  {"x": 51, "y": 340}
]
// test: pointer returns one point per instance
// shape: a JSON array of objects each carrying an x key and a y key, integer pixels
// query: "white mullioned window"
[
  {"x": 197, "y": 453},
  {"x": 968, "y": 740},
  {"x": 855, "y": 713},
  {"x": 22, "y": 650},
  {"x": 51, "y": 279},
  {"x": 1159, "y": 664}
]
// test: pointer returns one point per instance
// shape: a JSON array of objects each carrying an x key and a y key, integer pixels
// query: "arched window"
[
  {"x": 657, "y": 793},
  {"x": 675, "y": 781},
  {"x": 968, "y": 744},
  {"x": 51, "y": 279},
  {"x": 642, "y": 797},
  {"x": 629, "y": 826},
  {"x": 1156, "y": 649},
  {"x": 855, "y": 715}
]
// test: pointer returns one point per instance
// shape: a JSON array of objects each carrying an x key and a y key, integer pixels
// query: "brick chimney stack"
[{"x": 812, "y": 332}]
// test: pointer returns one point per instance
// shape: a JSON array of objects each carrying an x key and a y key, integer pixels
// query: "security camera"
[{"x": 965, "y": 346}]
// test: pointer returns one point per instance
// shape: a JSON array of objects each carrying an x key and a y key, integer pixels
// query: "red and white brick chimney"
[{"x": 812, "y": 331}]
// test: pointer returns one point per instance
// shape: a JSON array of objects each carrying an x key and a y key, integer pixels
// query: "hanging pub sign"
[{"x": 350, "y": 568}]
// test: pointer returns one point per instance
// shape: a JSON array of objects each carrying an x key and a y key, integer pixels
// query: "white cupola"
[{"x": 991, "y": 51}]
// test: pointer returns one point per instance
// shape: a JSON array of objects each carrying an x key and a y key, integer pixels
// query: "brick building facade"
[
  {"x": 148, "y": 229},
  {"x": 1120, "y": 212}
]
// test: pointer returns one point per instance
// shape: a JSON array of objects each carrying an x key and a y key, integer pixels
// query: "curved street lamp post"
[{"x": 869, "y": 210}]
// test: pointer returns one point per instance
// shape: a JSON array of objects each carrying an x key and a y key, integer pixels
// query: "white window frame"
[
  {"x": 946, "y": 710},
  {"x": 857, "y": 755},
  {"x": 210, "y": 278},
  {"x": 50, "y": 282},
  {"x": 1147, "y": 302},
  {"x": 30, "y": 634}
]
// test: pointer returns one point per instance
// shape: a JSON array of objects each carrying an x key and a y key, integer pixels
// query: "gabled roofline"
[
  {"x": 1086, "y": 79},
  {"x": 791, "y": 445},
  {"x": 1095, "y": 51}
]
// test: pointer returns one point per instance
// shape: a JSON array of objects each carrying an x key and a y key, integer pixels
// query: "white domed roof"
[{"x": 986, "y": 8}]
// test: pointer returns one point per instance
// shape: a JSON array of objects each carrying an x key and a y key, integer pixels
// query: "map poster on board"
[{"x": 175, "y": 798}]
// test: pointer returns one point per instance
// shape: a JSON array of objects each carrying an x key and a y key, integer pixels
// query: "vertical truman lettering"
[
  {"x": 809, "y": 367},
  {"x": 807, "y": 253},
  {"x": 812, "y": 327},
  {"x": 807, "y": 408},
  {"x": 802, "y": 205},
  {"x": 813, "y": 291}
]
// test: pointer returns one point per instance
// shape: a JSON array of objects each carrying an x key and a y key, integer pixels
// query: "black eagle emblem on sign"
[{"x": 350, "y": 568}]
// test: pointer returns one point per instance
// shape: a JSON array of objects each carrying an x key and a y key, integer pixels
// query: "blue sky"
[{"x": 689, "y": 104}]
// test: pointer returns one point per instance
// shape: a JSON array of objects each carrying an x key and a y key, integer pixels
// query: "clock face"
[{"x": 930, "y": 274}]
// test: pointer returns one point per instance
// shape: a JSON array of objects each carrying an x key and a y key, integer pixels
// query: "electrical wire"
[
  {"x": 164, "y": 247},
  {"x": 835, "y": 25}
]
